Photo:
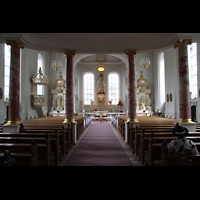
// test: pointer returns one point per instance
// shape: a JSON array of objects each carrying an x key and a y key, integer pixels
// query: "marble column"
[
  {"x": 131, "y": 96},
  {"x": 14, "y": 88},
  {"x": 132, "y": 121},
  {"x": 184, "y": 87},
  {"x": 69, "y": 94}
]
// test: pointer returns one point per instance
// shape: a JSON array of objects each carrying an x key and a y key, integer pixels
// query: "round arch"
[{"x": 81, "y": 56}]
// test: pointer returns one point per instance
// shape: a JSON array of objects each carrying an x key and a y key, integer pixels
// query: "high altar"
[
  {"x": 58, "y": 97},
  {"x": 101, "y": 99},
  {"x": 143, "y": 96}
]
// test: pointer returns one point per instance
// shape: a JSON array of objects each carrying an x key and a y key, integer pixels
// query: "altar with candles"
[{"x": 143, "y": 97}]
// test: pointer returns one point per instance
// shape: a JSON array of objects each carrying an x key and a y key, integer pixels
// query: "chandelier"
[
  {"x": 56, "y": 64},
  {"x": 145, "y": 63}
]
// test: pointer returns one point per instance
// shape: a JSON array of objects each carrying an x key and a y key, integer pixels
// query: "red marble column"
[
  {"x": 69, "y": 94},
  {"x": 184, "y": 88},
  {"x": 14, "y": 89},
  {"x": 131, "y": 87}
]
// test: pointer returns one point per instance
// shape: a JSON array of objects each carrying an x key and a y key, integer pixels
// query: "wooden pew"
[
  {"x": 43, "y": 144},
  {"x": 18, "y": 159},
  {"x": 155, "y": 144},
  {"x": 176, "y": 159},
  {"x": 18, "y": 156},
  {"x": 58, "y": 138}
]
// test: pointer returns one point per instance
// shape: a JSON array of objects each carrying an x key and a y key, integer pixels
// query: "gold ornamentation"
[
  {"x": 70, "y": 53},
  {"x": 69, "y": 121},
  {"x": 182, "y": 42},
  {"x": 132, "y": 120},
  {"x": 15, "y": 42},
  {"x": 13, "y": 122},
  {"x": 129, "y": 53},
  {"x": 185, "y": 120}
]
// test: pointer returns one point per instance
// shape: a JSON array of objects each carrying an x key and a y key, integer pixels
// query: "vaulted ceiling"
[{"x": 84, "y": 43}]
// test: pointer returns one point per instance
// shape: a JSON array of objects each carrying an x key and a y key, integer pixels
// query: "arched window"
[
  {"x": 161, "y": 81},
  {"x": 40, "y": 64},
  {"x": 113, "y": 88},
  {"x": 88, "y": 88},
  {"x": 192, "y": 58}
]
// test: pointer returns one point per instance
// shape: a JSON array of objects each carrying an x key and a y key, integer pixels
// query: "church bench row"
[
  {"x": 65, "y": 134},
  {"x": 54, "y": 123},
  {"x": 30, "y": 158},
  {"x": 160, "y": 129},
  {"x": 190, "y": 159},
  {"x": 143, "y": 146},
  {"x": 155, "y": 143},
  {"x": 61, "y": 137},
  {"x": 45, "y": 149},
  {"x": 18, "y": 159}
]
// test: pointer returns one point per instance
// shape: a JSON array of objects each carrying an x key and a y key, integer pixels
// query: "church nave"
[{"x": 100, "y": 145}]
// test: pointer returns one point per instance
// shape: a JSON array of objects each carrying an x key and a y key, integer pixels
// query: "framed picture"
[
  {"x": 167, "y": 97},
  {"x": 199, "y": 92},
  {"x": 1, "y": 93},
  {"x": 170, "y": 97}
]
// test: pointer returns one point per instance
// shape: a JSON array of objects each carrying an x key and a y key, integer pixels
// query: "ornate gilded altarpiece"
[{"x": 143, "y": 94}]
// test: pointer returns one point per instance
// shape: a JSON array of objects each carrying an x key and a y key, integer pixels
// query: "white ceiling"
[{"x": 107, "y": 43}]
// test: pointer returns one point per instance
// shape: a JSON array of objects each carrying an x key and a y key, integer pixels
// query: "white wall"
[{"x": 171, "y": 81}]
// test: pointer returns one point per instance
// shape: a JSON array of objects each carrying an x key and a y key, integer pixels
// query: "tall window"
[
  {"x": 40, "y": 64},
  {"x": 113, "y": 88},
  {"x": 161, "y": 79},
  {"x": 88, "y": 83},
  {"x": 192, "y": 58},
  {"x": 7, "y": 53}
]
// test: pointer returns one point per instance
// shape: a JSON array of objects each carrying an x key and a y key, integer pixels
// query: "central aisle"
[{"x": 99, "y": 147}]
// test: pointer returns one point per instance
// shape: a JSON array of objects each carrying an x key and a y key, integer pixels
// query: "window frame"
[
  {"x": 84, "y": 89},
  {"x": 116, "y": 100}
]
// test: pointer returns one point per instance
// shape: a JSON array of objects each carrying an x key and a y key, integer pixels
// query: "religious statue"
[
  {"x": 59, "y": 100},
  {"x": 101, "y": 85}
]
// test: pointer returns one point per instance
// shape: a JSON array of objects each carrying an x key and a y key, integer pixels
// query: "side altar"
[
  {"x": 58, "y": 97},
  {"x": 143, "y": 96}
]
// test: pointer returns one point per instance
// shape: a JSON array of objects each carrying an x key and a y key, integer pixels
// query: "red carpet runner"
[{"x": 99, "y": 147}]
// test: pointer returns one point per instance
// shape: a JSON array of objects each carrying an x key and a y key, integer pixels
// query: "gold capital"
[
  {"x": 129, "y": 53},
  {"x": 70, "y": 53},
  {"x": 15, "y": 42},
  {"x": 182, "y": 42}
]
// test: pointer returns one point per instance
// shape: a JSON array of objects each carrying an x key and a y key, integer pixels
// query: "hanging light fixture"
[
  {"x": 101, "y": 68},
  {"x": 145, "y": 63},
  {"x": 56, "y": 64}
]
